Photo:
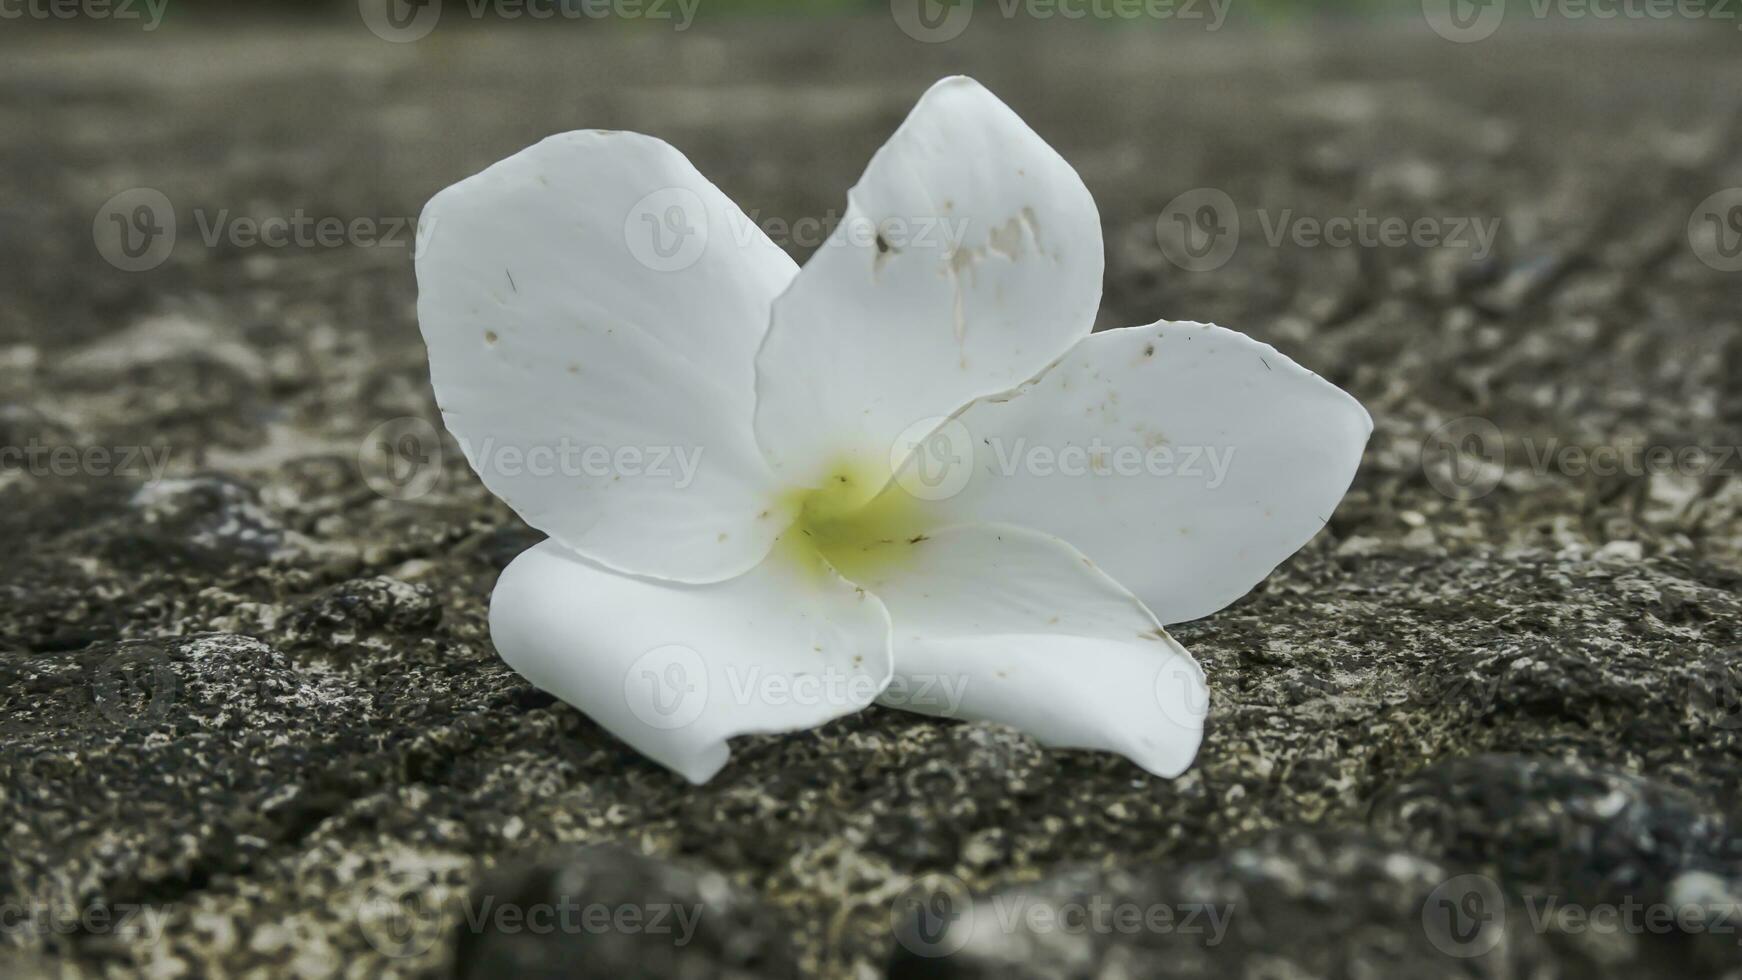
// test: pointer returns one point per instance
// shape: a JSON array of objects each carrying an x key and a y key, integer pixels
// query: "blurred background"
[{"x": 1512, "y": 228}]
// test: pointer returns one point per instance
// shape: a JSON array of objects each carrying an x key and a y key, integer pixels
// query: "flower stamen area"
[{"x": 856, "y": 519}]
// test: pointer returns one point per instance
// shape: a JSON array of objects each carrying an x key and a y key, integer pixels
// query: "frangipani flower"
[{"x": 870, "y": 512}]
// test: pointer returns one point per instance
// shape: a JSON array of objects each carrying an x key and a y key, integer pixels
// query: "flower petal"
[
  {"x": 592, "y": 307},
  {"x": 1186, "y": 460},
  {"x": 968, "y": 259},
  {"x": 675, "y": 670},
  {"x": 1011, "y": 625}
]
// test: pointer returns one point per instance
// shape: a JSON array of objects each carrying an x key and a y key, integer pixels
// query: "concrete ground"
[{"x": 246, "y": 692}]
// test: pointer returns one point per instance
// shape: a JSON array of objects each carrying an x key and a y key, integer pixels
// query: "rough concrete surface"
[{"x": 251, "y": 708}]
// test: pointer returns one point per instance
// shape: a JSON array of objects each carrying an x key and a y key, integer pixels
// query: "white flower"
[{"x": 718, "y": 444}]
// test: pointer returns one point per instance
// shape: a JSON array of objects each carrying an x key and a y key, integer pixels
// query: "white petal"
[
  {"x": 992, "y": 270},
  {"x": 1010, "y": 625},
  {"x": 675, "y": 670},
  {"x": 1202, "y": 460},
  {"x": 602, "y": 381}
]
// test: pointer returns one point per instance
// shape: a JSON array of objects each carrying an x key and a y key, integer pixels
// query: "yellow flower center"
[{"x": 856, "y": 518}]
